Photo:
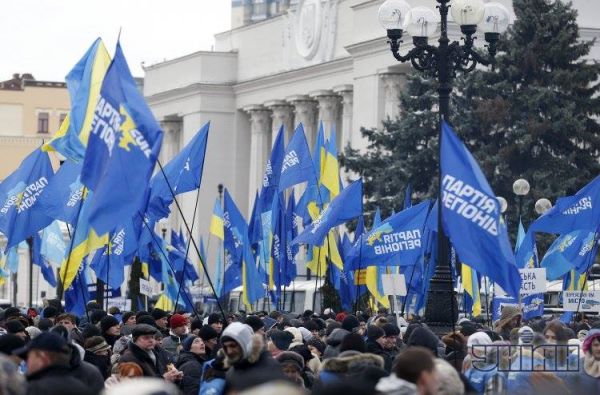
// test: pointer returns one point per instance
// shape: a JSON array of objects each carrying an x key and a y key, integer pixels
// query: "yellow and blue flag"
[
  {"x": 77, "y": 294},
  {"x": 182, "y": 174},
  {"x": 470, "y": 283},
  {"x": 18, "y": 195},
  {"x": 83, "y": 83},
  {"x": 330, "y": 176},
  {"x": 85, "y": 241},
  {"x": 374, "y": 273},
  {"x": 216, "y": 221},
  {"x": 122, "y": 149},
  {"x": 471, "y": 216}
]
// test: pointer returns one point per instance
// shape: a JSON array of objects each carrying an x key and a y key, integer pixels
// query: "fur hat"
[{"x": 291, "y": 358}]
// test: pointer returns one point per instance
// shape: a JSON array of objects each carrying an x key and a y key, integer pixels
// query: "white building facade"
[{"x": 316, "y": 60}]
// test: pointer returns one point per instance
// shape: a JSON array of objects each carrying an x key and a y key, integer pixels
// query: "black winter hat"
[
  {"x": 127, "y": 315},
  {"x": 157, "y": 314},
  {"x": 14, "y": 326},
  {"x": 350, "y": 323},
  {"x": 47, "y": 341},
  {"x": 145, "y": 319},
  {"x": 96, "y": 316},
  {"x": 374, "y": 332},
  {"x": 207, "y": 333},
  {"x": 281, "y": 339},
  {"x": 45, "y": 324},
  {"x": 12, "y": 312},
  {"x": 10, "y": 342},
  {"x": 196, "y": 324},
  {"x": 108, "y": 322},
  {"x": 213, "y": 318},
  {"x": 49, "y": 312},
  {"x": 390, "y": 329},
  {"x": 255, "y": 322},
  {"x": 318, "y": 344}
]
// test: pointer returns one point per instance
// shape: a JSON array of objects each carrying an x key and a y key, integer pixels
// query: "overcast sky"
[{"x": 47, "y": 37}]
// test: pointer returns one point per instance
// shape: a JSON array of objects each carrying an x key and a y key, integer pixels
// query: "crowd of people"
[{"x": 113, "y": 352}]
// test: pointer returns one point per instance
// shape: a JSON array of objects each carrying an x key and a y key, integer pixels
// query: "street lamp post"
[
  {"x": 521, "y": 188},
  {"x": 542, "y": 205},
  {"x": 443, "y": 61}
]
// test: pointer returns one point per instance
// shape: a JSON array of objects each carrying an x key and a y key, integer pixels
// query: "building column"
[
  {"x": 329, "y": 111},
  {"x": 282, "y": 114},
  {"x": 346, "y": 93},
  {"x": 260, "y": 146},
  {"x": 305, "y": 111},
  {"x": 392, "y": 86},
  {"x": 172, "y": 127}
]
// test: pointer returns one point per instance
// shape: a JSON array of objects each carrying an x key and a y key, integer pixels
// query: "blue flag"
[
  {"x": 18, "y": 194},
  {"x": 576, "y": 249},
  {"x": 77, "y": 295},
  {"x": 62, "y": 198},
  {"x": 122, "y": 149},
  {"x": 291, "y": 224},
  {"x": 499, "y": 302},
  {"x": 580, "y": 211},
  {"x": 471, "y": 216},
  {"x": 45, "y": 267},
  {"x": 396, "y": 241},
  {"x": 53, "y": 247},
  {"x": 272, "y": 174},
  {"x": 297, "y": 164},
  {"x": 234, "y": 230},
  {"x": 183, "y": 173},
  {"x": 346, "y": 206}
]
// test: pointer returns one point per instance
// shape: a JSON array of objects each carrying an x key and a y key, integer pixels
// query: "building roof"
[{"x": 18, "y": 82}]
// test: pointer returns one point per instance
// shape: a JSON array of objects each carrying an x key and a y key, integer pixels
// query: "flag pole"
[
  {"x": 107, "y": 269},
  {"x": 408, "y": 290},
  {"x": 187, "y": 250},
  {"x": 166, "y": 258},
  {"x": 487, "y": 302},
  {"x": 190, "y": 234},
  {"x": 77, "y": 276}
]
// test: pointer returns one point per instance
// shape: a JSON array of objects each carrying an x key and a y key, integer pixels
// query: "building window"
[
  {"x": 61, "y": 119},
  {"x": 43, "y": 118}
]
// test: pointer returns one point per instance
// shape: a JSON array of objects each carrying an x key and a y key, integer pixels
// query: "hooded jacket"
[
  {"x": 256, "y": 366},
  {"x": 393, "y": 385}
]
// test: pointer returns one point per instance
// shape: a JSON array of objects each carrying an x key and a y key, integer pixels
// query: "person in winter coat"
[
  {"x": 190, "y": 361},
  {"x": 249, "y": 364},
  {"x": 334, "y": 341},
  {"x": 97, "y": 352},
  {"x": 414, "y": 373},
  {"x": 177, "y": 334},
  {"x": 376, "y": 342},
  {"x": 110, "y": 328},
  {"x": 49, "y": 366},
  {"x": 335, "y": 370},
  {"x": 141, "y": 350}
]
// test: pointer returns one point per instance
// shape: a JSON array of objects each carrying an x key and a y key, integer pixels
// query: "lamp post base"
[{"x": 441, "y": 310}]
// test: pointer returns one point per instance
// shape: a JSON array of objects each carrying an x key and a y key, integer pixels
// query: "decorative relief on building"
[{"x": 309, "y": 32}]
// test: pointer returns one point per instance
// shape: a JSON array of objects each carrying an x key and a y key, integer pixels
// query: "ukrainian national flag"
[
  {"x": 216, "y": 221},
  {"x": 374, "y": 273},
  {"x": 330, "y": 176},
  {"x": 85, "y": 241},
  {"x": 83, "y": 82},
  {"x": 470, "y": 283}
]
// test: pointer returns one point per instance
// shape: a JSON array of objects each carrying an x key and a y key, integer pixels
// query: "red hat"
[
  {"x": 340, "y": 316},
  {"x": 177, "y": 320}
]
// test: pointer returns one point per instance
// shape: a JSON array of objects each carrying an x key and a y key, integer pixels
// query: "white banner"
[
  {"x": 145, "y": 287},
  {"x": 533, "y": 281},
  {"x": 393, "y": 284},
  {"x": 585, "y": 301}
]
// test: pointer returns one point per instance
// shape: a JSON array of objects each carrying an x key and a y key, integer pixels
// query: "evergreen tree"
[
  {"x": 534, "y": 115},
  {"x": 531, "y": 116}
]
